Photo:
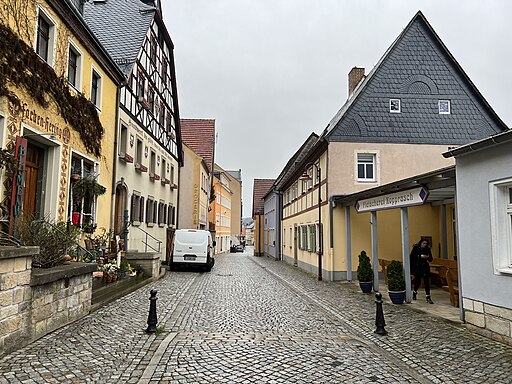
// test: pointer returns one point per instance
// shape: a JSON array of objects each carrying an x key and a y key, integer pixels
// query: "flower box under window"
[
  {"x": 154, "y": 176},
  {"x": 173, "y": 186},
  {"x": 140, "y": 167},
  {"x": 165, "y": 181},
  {"x": 125, "y": 157}
]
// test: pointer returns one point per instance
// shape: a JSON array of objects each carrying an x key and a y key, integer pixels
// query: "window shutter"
[
  {"x": 148, "y": 212},
  {"x": 141, "y": 210},
  {"x": 132, "y": 211}
]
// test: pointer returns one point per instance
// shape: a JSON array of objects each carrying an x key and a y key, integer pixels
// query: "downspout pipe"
[
  {"x": 279, "y": 211},
  {"x": 114, "y": 165}
]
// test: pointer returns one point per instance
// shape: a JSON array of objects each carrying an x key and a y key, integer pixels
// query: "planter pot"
[
  {"x": 108, "y": 279},
  {"x": 366, "y": 286},
  {"x": 75, "y": 218},
  {"x": 397, "y": 297}
]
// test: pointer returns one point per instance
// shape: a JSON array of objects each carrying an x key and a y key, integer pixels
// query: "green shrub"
[
  {"x": 53, "y": 239},
  {"x": 364, "y": 270},
  {"x": 395, "y": 272}
]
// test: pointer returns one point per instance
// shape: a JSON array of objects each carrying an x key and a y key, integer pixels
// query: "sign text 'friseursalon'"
[{"x": 416, "y": 196}]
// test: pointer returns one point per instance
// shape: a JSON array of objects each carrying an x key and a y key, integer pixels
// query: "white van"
[{"x": 192, "y": 247}]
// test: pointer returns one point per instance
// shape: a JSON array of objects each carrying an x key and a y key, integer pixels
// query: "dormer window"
[
  {"x": 395, "y": 106},
  {"x": 444, "y": 107}
]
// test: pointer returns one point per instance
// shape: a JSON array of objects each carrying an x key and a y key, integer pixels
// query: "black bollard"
[
  {"x": 152, "y": 320},
  {"x": 379, "y": 318}
]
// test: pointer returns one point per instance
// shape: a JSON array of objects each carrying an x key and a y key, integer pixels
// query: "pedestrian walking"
[{"x": 420, "y": 257}]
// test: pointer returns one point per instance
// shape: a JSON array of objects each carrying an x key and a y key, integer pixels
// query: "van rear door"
[{"x": 190, "y": 247}]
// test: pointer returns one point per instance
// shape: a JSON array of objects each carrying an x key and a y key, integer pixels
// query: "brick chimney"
[{"x": 354, "y": 77}]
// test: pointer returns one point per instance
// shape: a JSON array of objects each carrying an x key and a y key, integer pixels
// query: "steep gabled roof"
[
  {"x": 296, "y": 160},
  {"x": 259, "y": 190},
  {"x": 199, "y": 135},
  {"x": 418, "y": 69},
  {"x": 121, "y": 26}
]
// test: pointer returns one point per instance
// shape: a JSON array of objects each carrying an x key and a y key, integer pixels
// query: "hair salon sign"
[{"x": 416, "y": 196}]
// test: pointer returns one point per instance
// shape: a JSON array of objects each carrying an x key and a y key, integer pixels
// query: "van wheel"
[{"x": 172, "y": 266}]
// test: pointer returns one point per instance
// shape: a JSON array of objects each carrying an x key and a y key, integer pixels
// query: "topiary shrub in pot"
[
  {"x": 365, "y": 273},
  {"x": 396, "y": 282}
]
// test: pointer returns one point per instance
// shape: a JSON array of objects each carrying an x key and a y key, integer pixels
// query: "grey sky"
[{"x": 272, "y": 71}]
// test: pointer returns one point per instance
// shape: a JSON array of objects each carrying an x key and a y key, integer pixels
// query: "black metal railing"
[{"x": 151, "y": 237}]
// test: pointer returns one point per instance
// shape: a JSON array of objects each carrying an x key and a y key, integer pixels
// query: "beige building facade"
[
  {"x": 396, "y": 123},
  {"x": 194, "y": 191}
]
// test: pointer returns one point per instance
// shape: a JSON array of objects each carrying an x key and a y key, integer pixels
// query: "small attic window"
[
  {"x": 394, "y": 106},
  {"x": 444, "y": 107}
]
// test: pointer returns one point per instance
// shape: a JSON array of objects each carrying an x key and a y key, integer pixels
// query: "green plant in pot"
[
  {"x": 88, "y": 187},
  {"x": 396, "y": 282},
  {"x": 365, "y": 273}
]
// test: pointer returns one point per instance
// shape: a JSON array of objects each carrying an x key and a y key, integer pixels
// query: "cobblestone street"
[{"x": 255, "y": 320}]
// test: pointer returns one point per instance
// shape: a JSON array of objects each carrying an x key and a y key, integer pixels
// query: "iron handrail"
[{"x": 159, "y": 242}]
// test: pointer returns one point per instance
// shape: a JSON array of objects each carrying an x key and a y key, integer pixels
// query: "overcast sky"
[{"x": 270, "y": 72}]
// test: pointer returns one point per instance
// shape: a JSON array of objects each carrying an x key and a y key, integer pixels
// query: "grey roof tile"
[
  {"x": 121, "y": 26},
  {"x": 419, "y": 70}
]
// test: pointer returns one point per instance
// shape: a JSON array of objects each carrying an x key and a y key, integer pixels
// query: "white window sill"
[
  {"x": 135, "y": 223},
  {"x": 505, "y": 271}
]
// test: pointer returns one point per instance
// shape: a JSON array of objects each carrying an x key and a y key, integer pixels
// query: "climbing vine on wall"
[{"x": 20, "y": 66}]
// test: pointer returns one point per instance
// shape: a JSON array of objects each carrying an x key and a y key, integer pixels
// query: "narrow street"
[{"x": 255, "y": 320}]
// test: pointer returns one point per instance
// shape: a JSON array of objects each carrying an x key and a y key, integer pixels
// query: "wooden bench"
[
  {"x": 452, "y": 278},
  {"x": 438, "y": 268}
]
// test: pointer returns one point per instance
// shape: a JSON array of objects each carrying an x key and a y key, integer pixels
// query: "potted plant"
[
  {"x": 365, "y": 273},
  {"x": 88, "y": 187},
  {"x": 88, "y": 228},
  {"x": 396, "y": 282},
  {"x": 124, "y": 267}
]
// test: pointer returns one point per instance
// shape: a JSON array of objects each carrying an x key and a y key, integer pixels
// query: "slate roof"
[
  {"x": 259, "y": 190},
  {"x": 237, "y": 175},
  {"x": 121, "y": 26},
  {"x": 199, "y": 135},
  {"x": 419, "y": 70},
  {"x": 296, "y": 160}
]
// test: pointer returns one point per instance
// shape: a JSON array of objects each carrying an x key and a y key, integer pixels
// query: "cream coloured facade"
[
  {"x": 194, "y": 191},
  {"x": 220, "y": 213},
  {"x": 58, "y": 150},
  {"x": 395, "y": 124}
]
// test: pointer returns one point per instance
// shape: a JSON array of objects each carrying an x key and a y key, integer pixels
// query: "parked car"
[
  {"x": 193, "y": 248},
  {"x": 236, "y": 248}
]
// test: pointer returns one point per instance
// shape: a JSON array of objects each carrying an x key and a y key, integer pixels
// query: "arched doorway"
[{"x": 120, "y": 206}]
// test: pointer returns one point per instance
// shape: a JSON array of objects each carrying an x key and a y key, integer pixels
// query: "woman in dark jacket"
[{"x": 420, "y": 257}]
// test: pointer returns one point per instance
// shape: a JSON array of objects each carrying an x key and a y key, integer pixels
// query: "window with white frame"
[
  {"x": 138, "y": 151},
  {"x": 310, "y": 179},
  {"x": 312, "y": 238},
  {"x": 152, "y": 164},
  {"x": 501, "y": 225},
  {"x": 96, "y": 83},
  {"x": 366, "y": 166},
  {"x": 304, "y": 237},
  {"x": 83, "y": 191},
  {"x": 45, "y": 38},
  {"x": 135, "y": 207},
  {"x": 74, "y": 66},
  {"x": 395, "y": 106},
  {"x": 150, "y": 218},
  {"x": 444, "y": 107},
  {"x": 123, "y": 141}
]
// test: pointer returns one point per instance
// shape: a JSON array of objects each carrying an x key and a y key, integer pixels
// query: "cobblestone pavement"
[{"x": 255, "y": 320}]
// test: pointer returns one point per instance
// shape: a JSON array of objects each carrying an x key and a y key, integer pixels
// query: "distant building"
[
  {"x": 260, "y": 189},
  {"x": 196, "y": 174}
]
